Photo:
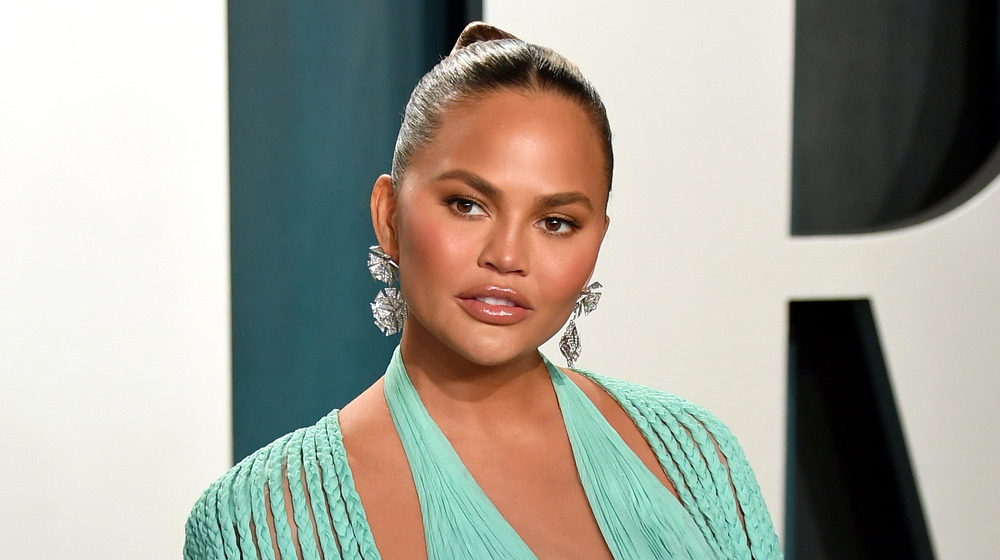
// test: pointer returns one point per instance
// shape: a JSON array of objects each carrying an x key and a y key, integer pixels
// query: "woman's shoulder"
[
  {"x": 646, "y": 401},
  {"x": 672, "y": 420},
  {"x": 695, "y": 447},
  {"x": 256, "y": 468},
  {"x": 260, "y": 505}
]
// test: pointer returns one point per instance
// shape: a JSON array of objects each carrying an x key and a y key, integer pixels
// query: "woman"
[{"x": 473, "y": 445}]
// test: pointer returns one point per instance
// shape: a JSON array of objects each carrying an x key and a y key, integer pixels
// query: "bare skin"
[{"x": 524, "y": 464}]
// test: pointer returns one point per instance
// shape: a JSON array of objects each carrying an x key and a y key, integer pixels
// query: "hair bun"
[{"x": 478, "y": 31}]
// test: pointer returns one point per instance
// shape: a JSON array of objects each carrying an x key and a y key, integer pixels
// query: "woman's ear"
[{"x": 383, "y": 206}]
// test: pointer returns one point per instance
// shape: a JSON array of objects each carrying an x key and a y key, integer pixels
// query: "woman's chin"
[
  {"x": 499, "y": 347},
  {"x": 501, "y": 358},
  {"x": 481, "y": 345},
  {"x": 488, "y": 353}
]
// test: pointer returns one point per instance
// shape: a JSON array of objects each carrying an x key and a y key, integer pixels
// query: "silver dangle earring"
[
  {"x": 388, "y": 309},
  {"x": 586, "y": 303}
]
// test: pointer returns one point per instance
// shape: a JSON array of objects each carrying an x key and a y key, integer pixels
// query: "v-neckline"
[{"x": 491, "y": 518}]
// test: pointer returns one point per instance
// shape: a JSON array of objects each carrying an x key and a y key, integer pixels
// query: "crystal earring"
[
  {"x": 586, "y": 303},
  {"x": 388, "y": 309}
]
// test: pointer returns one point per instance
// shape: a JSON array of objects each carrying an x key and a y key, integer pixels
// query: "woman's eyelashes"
[
  {"x": 466, "y": 207},
  {"x": 558, "y": 225}
]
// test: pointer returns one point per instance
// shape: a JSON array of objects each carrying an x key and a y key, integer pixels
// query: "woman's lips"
[{"x": 495, "y": 306}]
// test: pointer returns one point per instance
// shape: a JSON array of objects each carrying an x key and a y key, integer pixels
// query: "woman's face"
[{"x": 497, "y": 225}]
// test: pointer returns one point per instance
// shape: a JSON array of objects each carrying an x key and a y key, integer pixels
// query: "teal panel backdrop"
[{"x": 316, "y": 93}]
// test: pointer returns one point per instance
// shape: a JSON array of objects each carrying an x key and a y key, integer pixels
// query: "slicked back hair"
[{"x": 488, "y": 60}]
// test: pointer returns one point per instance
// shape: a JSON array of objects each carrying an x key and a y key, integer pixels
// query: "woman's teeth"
[{"x": 496, "y": 301}]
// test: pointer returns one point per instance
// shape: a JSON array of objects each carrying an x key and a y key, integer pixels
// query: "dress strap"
[
  {"x": 459, "y": 519},
  {"x": 639, "y": 518}
]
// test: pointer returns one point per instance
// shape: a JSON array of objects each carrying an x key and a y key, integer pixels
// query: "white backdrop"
[
  {"x": 698, "y": 265},
  {"x": 114, "y": 305}
]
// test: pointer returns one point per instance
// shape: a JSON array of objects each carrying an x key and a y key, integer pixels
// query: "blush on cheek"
[
  {"x": 430, "y": 245},
  {"x": 567, "y": 274},
  {"x": 574, "y": 266}
]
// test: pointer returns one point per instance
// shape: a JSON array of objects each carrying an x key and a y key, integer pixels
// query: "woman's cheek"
[
  {"x": 567, "y": 273},
  {"x": 432, "y": 243}
]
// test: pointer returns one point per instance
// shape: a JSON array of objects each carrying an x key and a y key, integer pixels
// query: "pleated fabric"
[
  {"x": 460, "y": 521},
  {"x": 295, "y": 498},
  {"x": 638, "y": 516}
]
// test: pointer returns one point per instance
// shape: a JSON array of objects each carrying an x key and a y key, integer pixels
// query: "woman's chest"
[
  {"x": 533, "y": 485},
  {"x": 528, "y": 474}
]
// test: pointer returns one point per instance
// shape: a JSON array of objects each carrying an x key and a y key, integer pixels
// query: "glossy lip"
[{"x": 471, "y": 301}]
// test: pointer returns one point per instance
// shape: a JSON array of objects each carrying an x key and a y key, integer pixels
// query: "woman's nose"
[{"x": 505, "y": 250}]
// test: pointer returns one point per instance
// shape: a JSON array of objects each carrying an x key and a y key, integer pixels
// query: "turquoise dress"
[{"x": 638, "y": 517}]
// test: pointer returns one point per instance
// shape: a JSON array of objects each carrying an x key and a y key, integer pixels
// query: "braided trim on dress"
[
  {"x": 223, "y": 499},
  {"x": 196, "y": 544},
  {"x": 641, "y": 402},
  {"x": 355, "y": 511},
  {"x": 301, "y": 512},
  {"x": 700, "y": 469},
  {"x": 241, "y": 508},
  {"x": 317, "y": 497},
  {"x": 193, "y": 543},
  {"x": 693, "y": 465},
  {"x": 682, "y": 453},
  {"x": 274, "y": 493},
  {"x": 260, "y": 498},
  {"x": 719, "y": 481},
  {"x": 212, "y": 532},
  {"x": 258, "y": 510},
  {"x": 667, "y": 452},
  {"x": 763, "y": 539},
  {"x": 331, "y": 485},
  {"x": 695, "y": 468}
]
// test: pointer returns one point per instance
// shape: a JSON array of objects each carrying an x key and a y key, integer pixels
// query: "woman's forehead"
[{"x": 518, "y": 138}]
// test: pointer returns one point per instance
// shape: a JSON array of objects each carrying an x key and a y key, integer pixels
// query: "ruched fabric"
[
  {"x": 459, "y": 519},
  {"x": 638, "y": 517},
  {"x": 295, "y": 498}
]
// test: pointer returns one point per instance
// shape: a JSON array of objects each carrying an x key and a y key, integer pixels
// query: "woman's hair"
[{"x": 487, "y": 60}]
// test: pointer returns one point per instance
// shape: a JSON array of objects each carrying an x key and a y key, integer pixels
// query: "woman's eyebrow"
[
  {"x": 563, "y": 199},
  {"x": 488, "y": 190},
  {"x": 474, "y": 181}
]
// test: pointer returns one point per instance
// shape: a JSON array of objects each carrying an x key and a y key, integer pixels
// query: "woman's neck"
[{"x": 452, "y": 387}]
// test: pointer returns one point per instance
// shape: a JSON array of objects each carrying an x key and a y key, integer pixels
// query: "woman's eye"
[
  {"x": 465, "y": 206},
  {"x": 557, "y": 225}
]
